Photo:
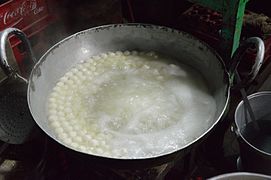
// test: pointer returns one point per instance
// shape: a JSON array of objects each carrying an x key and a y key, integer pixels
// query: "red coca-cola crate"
[{"x": 30, "y": 16}]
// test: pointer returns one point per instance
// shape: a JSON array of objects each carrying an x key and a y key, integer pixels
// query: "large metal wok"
[{"x": 141, "y": 37}]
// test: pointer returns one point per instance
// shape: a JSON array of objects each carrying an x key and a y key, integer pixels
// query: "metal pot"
[
  {"x": 120, "y": 37},
  {"x": 252, "y": 158},
  {"x": 241, "y": 175}
]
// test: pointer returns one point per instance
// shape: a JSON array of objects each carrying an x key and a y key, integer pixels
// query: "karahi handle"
[{"x": 8, "y": 70}]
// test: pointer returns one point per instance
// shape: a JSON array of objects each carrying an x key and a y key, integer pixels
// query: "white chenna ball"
[
  {"x": 96, "y": 58},
  {"x": 67, "y": 141},
  {"x": 78, "y": 138},
  {"x": 111, "y": 54},
  {"x": 127, "y": 53}
]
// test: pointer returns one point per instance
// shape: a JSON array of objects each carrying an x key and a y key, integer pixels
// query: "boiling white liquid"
[{"x": 130, "y": 105}]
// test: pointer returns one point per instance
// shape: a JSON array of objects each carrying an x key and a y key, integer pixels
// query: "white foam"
[{"x": 130, "y": 105}]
